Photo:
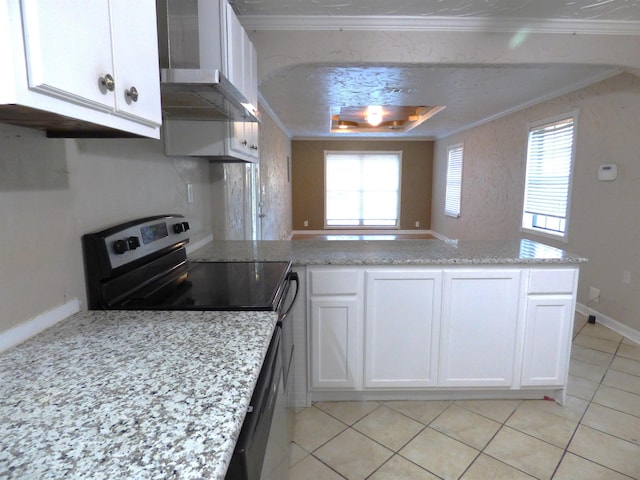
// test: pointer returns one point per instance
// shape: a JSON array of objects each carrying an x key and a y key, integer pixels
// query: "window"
[
  {"x": 548, "y": 181},
  {"x": 362, "y": 189},
  {"x": 453, "y": 193}
]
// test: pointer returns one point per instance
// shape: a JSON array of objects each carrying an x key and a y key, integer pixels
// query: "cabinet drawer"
[
  {"x": 333, "y": 282},
  {"x": 555, "y": 280}
]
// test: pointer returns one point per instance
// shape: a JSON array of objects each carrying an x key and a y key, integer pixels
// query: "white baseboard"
[
  {"x": 609, "y": 322},
  {"x": 30, "y": 328},
  {"x": 379, "y": 231},
  {"x": 438, "y": 236}
]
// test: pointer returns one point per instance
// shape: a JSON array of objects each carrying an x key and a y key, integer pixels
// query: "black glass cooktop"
[{"x": 216, "y": 286}]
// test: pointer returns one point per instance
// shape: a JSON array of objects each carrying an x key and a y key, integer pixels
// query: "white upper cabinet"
[
  {"x": 91, "y": 63},
  {"x": 241, "y": 58},
  {"x": 138, "y": 84},
  {"x": 217, "y": 141},
  {"x": 68, "y": 49}
]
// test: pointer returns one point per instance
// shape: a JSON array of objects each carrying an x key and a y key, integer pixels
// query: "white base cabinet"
[
  {"x": 401, "y": 323},
  {"x": 335, "y": 343},
  {"x": 335, "y": 346},
  {"x": 550, "y": 310},
  {"x": 486, "y": 331},
  {"x": 479, "y": 324}
]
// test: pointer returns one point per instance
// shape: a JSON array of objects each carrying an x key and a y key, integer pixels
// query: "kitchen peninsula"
[
  {"x": 425, "y": 319},
  {"x": 124, "y": 394}
]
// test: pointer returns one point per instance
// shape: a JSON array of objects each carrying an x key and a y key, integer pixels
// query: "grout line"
[
  {"x": 566, "y": 449},
  {"x": 503, "y": 424}
]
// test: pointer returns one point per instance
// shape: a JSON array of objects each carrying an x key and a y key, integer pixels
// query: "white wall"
[
  {"x": 605, "y": 216},
  {"x": 54, "y": 190}
]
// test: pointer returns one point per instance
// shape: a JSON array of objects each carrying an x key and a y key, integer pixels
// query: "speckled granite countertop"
[
  {"x": 114, "y": 395},
  {"x": 387, "y": 252}
]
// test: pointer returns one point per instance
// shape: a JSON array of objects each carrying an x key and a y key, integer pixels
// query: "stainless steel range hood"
[{"x": 193, "y": 56}]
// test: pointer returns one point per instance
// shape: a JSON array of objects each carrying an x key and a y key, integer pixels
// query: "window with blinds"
[
  {"x": 548, "y": 181},
  {"x": 453, "y": 195},
  {"x": 362, "y": 189}
]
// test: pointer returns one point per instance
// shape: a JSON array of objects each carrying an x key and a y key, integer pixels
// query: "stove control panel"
[{"x": 132, "y": 241}]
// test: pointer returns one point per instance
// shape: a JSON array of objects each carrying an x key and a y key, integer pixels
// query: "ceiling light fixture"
[
  {"x": 344, "y": 124},
  {"x": 374, "y": 115},
  {"x": 347, "y": 120},
  {"x": 393, "y": 124}
]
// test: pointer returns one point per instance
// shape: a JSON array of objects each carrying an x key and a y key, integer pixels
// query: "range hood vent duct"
[{"x": 192, "y": 53}]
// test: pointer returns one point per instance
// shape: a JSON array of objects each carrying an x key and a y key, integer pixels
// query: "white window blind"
[
  {"x": 453, "y": 193},
  {"x": 548, "y": 180},
  {"x": 362, "y": 189}
]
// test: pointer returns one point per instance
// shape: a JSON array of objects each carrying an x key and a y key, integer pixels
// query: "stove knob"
[
  {"x": 178, "y": 228},
  {"x": 120, "y": 246},
  {"x": 185, "y": 226},
  {"x": 133, "y": 243}
]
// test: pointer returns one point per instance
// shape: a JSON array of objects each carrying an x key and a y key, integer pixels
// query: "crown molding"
[{"x": 437, "y": 24}]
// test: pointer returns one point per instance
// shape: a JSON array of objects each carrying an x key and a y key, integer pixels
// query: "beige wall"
[
  {"x": 604, "y": 223},
  {"x": 308, "y": 179}
]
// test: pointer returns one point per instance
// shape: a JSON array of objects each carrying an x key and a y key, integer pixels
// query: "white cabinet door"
[
  {"x": 479, "y": 325},
  {"x": 135, "y": 49},
  {"x": 334, "y": 343},
  {"x": 235, "y": 49},
  {"x": 547, "y": 340},
  {"x": 238, "y": 142},
  {"x": 251, "y": 75},
  {"x": 100, "y": 55},
  {"x": 241, "y": 58},
  {"x": 402, "y": 321},
  {"x": 68, "y": 49},
  {"x": 252, "y": 131}
]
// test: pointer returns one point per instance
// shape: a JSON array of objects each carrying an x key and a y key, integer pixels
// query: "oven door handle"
[{"x": 291, "y": 277}]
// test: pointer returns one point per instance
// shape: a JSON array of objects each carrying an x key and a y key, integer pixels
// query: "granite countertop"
[
  {"x": 107, "y": 395},
  {"x": 387, "y": 252}
]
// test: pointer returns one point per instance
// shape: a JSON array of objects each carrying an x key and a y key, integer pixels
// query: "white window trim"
[
  {"x": 450, "y": 213},
  {"x": 564, "y": 238},
  {"x": 362, "y": 227}
]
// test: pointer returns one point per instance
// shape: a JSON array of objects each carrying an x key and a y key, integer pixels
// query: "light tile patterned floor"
[{"x": 595, "y": 436}]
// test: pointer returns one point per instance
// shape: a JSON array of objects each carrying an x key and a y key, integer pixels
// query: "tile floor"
[{"x": 596, "y": 435}]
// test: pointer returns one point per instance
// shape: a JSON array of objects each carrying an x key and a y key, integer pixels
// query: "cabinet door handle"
[
  {"x": 108, "y": 82},
  {"x": 244, "y": 143},
  {"x": 253, "y": 147},
  {"x": 131, "y": 94}
]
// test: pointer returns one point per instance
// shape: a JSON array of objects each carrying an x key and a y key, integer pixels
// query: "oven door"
[{"x": 249, "y": 454}]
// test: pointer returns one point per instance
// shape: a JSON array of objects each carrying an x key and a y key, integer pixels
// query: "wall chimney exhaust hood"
[{"x": 193, "y": 57}]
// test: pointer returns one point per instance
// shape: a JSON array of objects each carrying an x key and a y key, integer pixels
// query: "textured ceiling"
[{"x": 305, "y": 96}]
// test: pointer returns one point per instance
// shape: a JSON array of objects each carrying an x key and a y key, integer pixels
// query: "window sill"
[{"x": 543, "y": 234}]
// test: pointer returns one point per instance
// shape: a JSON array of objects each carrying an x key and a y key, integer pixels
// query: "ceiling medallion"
[{"x": 380, "y": 119}]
